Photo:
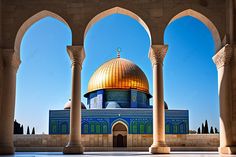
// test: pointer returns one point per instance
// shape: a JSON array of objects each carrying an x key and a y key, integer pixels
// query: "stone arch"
[
  {"x": 210, "y": 25},
  {"x": 29, "y": 22},
  {"x": 119, "y": 121},
  {"x": 119, "y": 133},
  {"x": 117, "y": 10}
]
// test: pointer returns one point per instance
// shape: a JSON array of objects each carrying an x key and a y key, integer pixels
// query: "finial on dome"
[{"x": 118, "y": 50}]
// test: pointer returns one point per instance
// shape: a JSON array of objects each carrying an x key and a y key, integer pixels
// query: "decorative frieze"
[
  {"x": 76, "y": 54},
  {"x": 223, "y": 56},
  {"x": 157, "y": 54}
]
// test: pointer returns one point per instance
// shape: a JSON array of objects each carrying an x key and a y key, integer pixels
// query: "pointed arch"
[
  {"x": 117, "y": 10},
  {"x": 210, "y": 25},
  {"x": 29, "y": 22},
  {"x": 121, "y": 122}
]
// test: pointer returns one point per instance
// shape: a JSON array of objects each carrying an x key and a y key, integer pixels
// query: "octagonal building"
[
  {"x": 118, "y": 112},
  {"x": 118, "y": 83}
]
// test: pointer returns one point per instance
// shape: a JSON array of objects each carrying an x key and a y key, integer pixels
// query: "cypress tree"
[
  {"x": 33, "y": 131},
  {"x": 212, "y": 131},
  {"x": 199, "y": 130},
  {"x": 28, "y": 130},
  {"x": 206, "y": 128},
  {"x": 216, "y": 131},
  {"x": 203, "y": 129},
  {"x": 22, "y": 129}
]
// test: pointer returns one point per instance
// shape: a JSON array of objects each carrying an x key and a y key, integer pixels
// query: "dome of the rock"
[
  {"x": 118, "y": 73},
  {"x": 118, "y": 83}
]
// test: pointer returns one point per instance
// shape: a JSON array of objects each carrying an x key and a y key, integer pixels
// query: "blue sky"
[{"x": 44, "y": 76}]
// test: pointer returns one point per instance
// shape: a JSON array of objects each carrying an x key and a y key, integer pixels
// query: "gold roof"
[{"x": 118, "y": 73}]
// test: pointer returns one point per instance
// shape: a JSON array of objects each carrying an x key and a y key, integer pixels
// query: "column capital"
[
  {"x": 223, "y": 56},
  {"x": 10, "y": 59},
  {"x": 157, "y": 54},
  {"x": 76, "y": 54}
]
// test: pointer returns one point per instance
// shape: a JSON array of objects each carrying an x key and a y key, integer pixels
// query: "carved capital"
[
  {"x": 10, "y": 59},
  {"x": 157, "y": 54},
  {"x": 76, "y": 54},
  {"x": 223, "y": 56}
]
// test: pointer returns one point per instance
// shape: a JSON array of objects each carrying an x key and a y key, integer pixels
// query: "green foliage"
[
  {"x": 199, "y": 130},
  {"x": 28, "y": 130},
  {"x": 212, "y": 131},
  {"x": 216, "y": 131},
  {"x": 203, "y": 129},
  {"x": 206, "y": 128},
  {"x": 33, "y": 131}
]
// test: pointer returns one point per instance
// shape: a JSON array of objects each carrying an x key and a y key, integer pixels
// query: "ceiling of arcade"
[{"x": 155, "y": 13}]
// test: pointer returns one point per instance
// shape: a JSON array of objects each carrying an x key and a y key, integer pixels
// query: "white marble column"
[
  {"x": 156, "y": 55},
  {"x": 10, "y": 64},
  {"x": 222, "y": 60},
  {"x": 74, "y": 145}
]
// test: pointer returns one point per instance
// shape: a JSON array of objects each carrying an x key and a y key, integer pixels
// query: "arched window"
[
  {"x": 92, "y": 127},
  {"x": 98, "y": 128},
  {"x": 135, "y": 127},
  {"x": 148, "y": 128},
  {"x": 141, "y": 128},
  {"x": 54, "y": 127},
  {"x": 175, "y": 128},
  {"x": 85, "y": 128},
  {"x": 104, "y": 128},
  {"x": 64, "y": 128},
  {"x": 167, "y": 128}
]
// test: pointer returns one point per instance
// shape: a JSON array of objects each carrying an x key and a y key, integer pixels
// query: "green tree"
[
  {"x": 216, "y": 131},
  {"x": 206, "y": 128},
  {"x": 199, "y": 130},
  {"x": 203, "y": 129},
  {"x": 212, "y": 131},
  {"x": 28, "y": 130},
  {"x": 33, "y": 131}
]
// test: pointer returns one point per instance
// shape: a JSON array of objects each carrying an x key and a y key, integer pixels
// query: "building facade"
[{"x": 118, "y": 105}]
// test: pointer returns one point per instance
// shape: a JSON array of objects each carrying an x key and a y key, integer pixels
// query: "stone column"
[
  {"x": 74, "y": 145},
  {"x": 156, "y": 55},
  {"x": 222, "y": 60},
  {"x": 10, "y": 65}
]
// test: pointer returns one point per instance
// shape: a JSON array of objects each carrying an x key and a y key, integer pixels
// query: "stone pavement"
[{"x": 116, "y": 154}]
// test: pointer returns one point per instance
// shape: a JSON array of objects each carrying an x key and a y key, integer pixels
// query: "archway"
[
  {"x": 116, "y": 10},
  {"x": 7, "y": 116},
  {"x": 104, "y": 35},
  {"x": 221, "y": 59},
  {"x": 209, "y": 24},
  {"x": 29, "y": 22},
  {"x": 119, "y": 133}
]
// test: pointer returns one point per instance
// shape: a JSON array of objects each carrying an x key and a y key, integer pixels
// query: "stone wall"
[{"x": 104, "y": 142}]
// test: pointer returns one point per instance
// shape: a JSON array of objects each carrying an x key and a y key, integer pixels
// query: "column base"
[
  {"x": 73, "y": 149},
  {"x": 227, "y": 150},
  {"x": 159, "y": 150},
  {"x": 7, "y": 150}
]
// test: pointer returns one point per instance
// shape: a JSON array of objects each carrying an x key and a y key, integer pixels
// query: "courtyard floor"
[{"x": 116, "y": 154}]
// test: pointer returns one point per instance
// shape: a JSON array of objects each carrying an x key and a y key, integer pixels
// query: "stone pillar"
[
  {"x": 74, "y": 145},
  {"x": 222, "y": 60},
  {"x": 156, "y": 55},
  {"x": 10, "y": 65}
]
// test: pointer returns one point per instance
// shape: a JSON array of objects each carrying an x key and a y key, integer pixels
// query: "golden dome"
[{"x": 118, "y": 73}]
